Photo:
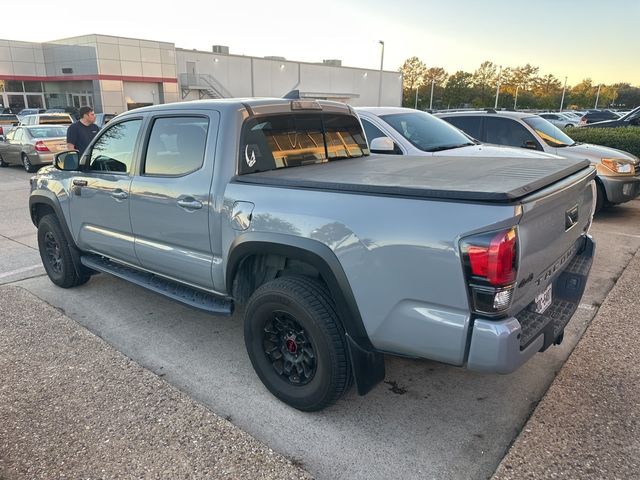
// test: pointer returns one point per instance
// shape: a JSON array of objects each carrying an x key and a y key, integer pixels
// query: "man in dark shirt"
[{"x": 80, "y": 134}]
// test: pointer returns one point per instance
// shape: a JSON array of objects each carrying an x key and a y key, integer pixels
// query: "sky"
[{"x": 574, "y": 38}]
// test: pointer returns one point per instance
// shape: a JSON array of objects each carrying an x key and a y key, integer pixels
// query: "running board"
[{"x": 176, "y": 291}]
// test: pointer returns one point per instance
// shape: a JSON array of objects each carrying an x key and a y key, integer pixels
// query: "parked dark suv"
[
  {"x": 630, "y": 119},
  {"x": 592, "y": 116}
]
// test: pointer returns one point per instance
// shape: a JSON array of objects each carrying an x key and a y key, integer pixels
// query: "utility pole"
[
  {"x": 498, "y": 88},
  {"x": 564, "y": 89},
  {"x": 416, "y": 106},
  {"x": 597, "y": 96},
  {"x": 381, "y": 42},
  {"x": 515, "y": 102},
  {"x": 433, "y": 80}
]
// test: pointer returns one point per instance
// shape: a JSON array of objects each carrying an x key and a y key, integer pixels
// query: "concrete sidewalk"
[
  {"x": 587, "y": 426},
  {"x": 71, "y": 406}
]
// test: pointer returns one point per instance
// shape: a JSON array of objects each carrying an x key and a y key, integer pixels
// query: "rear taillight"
[
  {"x": 1, "y": 131},
  {"x": 41, "y": 147},
  {"x": 491, "y": 266}
]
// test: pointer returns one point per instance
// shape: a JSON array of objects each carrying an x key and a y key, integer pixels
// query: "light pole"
[
  {"x": 515, "y": 102},
  {"x": 416, "y": 105},
  {"x": 433, "y": 80},
  {"x": 381, "y": 64},
  {"x": 597, "y": 96},
  {"x": 564, "y": 89},
  {"x": 498, "y": 87}
]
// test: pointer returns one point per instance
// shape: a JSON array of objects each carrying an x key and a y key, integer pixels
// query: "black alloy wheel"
[
  {"x": 296, "y": 342},
  {"x": 55, "y": 254},
  {"x": 289, "y": 348}
]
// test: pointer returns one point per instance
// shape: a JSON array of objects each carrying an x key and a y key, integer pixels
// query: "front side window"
[
  {"x": 290, "y": 140},
  {"x": 552, "y": 135},
  {"x": 176, "y": 146},
  {"x": 426, "y": 132},
  {"x": 504, "y": 131},
  {"x": 113, "y": 151}
]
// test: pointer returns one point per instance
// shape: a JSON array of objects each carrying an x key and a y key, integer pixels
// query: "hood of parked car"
[
  {"x": 592, "y": 152},
  {"x": 493, "y": 151}
]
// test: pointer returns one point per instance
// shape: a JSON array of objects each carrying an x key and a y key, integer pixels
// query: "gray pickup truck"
[{"x": 338, "y": 256}]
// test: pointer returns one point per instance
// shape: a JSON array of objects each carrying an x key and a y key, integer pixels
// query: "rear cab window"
[{"x": 286, "y": 140}]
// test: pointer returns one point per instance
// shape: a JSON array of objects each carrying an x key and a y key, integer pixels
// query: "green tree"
[
  {"x": 458, "y": 91},
  {"x": 413, "y": 71},
  {"x": 484, "y": 80}
]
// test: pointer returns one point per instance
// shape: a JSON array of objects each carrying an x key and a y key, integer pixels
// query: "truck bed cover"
[{"x": 466, "y": 179}]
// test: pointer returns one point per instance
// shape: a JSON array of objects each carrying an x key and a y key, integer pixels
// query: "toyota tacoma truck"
[{"x": 337, "y": 256}]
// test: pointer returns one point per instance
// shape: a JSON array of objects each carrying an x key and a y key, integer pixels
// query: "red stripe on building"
[{"x": 28, "y": 78}]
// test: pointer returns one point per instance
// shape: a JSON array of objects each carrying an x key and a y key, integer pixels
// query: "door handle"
[
  {"x": 79, "y": 183},
  {"x": 190, "y": 204},
  {"x": 119, "y": 195}
]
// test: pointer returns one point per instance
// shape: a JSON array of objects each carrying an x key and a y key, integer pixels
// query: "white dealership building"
[{"x": 114, "y": 74}]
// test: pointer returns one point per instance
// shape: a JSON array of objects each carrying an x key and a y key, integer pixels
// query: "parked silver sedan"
[
  {"x": 32, "y": 146},
  {"x": 561, "y": 120}
]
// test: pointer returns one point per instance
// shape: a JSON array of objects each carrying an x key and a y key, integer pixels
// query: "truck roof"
[{"x": 257, "y": 105}]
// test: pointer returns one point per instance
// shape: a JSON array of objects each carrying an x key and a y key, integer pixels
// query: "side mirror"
[
  {"x": 67, "y": 160},
  {"x": 382, "y": 145},
  {"x": 530, "y": 144}
]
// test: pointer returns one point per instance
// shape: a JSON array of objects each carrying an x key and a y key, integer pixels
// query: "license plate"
[{"x": 543, "y": 300}]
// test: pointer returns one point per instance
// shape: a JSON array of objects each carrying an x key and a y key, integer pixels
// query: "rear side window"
[
  {"x": 176, "y": 146},
  {"x": 290, "y": 140},
  {"x": 469, "y": 125}
]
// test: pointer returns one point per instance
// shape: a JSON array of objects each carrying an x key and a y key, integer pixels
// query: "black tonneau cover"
[{"x": 454, "y": 178}]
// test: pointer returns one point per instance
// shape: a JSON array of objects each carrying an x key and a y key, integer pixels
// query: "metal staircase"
[{"x": 206, "y": 85}]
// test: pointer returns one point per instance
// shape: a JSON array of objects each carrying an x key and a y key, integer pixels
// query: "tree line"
[{"x": 521, "y": 87}]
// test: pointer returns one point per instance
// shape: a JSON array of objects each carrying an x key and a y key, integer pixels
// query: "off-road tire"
[
  {"x": 306, "y": 303},
  {"x": 55, "y": 254}
]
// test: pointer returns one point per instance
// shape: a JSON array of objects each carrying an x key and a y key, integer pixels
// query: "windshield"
[
  {"x": 635, "y": 113},
  {"x": 426, "y": 132},
  {"x": 552, "y": 135},
  {"x": 48, "y": 132}
]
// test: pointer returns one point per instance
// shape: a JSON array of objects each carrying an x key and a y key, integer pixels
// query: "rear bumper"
[
  {"x": 621, "y": 189},
  {"x": 503, "y": 346}
]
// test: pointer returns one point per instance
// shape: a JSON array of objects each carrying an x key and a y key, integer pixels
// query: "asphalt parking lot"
[{"x": 427, "y": 420}]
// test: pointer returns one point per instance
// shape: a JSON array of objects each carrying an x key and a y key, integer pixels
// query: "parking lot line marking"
[
  {"x": 19, "y": 270},
  {"x": 617, "y": 233},
  {"x": 586, "y": 306}
]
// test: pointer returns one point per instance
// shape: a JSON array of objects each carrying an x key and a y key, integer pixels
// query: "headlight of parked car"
[{"x": 618, "y": 166}]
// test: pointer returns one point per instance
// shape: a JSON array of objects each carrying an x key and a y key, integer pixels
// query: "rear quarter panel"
[{"x": 400, "y": 256}]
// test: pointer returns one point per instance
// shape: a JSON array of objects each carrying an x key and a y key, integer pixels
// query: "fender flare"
[{"x": 367, "y": 363}]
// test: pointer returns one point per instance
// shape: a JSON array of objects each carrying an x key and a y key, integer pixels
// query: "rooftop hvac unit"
[{"x": 220, "y": 49}]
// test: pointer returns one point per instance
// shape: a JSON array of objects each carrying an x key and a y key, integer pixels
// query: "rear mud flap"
[{"x": 367, "y": 366}]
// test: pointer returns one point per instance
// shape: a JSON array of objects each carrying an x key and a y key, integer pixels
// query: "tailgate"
[{"x": 553, "y": 221}]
